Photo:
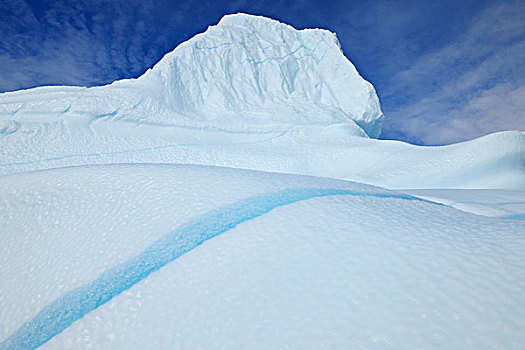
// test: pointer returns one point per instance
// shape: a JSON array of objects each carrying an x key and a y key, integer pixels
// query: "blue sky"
[{"x": 445, "y": 71}]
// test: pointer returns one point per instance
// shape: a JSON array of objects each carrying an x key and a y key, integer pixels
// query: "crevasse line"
[{"x": 73, "y": 305}]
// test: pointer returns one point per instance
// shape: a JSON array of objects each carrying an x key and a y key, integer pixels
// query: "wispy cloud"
[{"x": 468, "y": 88}]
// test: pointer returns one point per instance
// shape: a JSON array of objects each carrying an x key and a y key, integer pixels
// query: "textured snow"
[
  {"x": 363, "y": 267},
  {"x": 108, "y": 242}
]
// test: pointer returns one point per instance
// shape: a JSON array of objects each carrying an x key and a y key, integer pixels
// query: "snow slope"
[
  {"x": 492, "y": 162},
  {"x": 299, "y": 261}
]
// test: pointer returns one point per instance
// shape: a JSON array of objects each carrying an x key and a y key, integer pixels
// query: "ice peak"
[
  {"x": 241, "y": 18},
  {"x": 257, "y": 22},
  {"x": 266, "y": 72},
  {"x": 254, "y": 22}
]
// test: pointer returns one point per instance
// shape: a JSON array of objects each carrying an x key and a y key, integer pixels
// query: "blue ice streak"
[{"x": 76, "y": 303}]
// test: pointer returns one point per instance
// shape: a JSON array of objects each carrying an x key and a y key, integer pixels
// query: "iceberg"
[{"x": 236, "y": 196}]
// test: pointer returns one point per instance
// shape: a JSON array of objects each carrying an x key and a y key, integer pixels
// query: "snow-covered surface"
[
  {"x": 359, "y": 267},
  {"x": 107, "y": 241},
  {"x": 492, "y": 162}
]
